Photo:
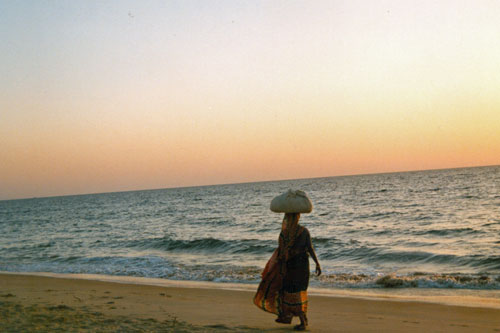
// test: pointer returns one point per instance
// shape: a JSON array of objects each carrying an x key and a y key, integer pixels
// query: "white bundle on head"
[{"x": 292, "y": 201}]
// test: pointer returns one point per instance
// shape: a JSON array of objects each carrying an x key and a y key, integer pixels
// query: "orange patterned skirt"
[{"x": 283, "y": 289}]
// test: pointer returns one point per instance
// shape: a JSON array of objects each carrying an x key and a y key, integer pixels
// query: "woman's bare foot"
[
  {"x": 303, "y": 323},
  {"x": 300, "y": 327}
]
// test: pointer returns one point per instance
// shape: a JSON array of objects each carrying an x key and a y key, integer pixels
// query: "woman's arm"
[{"x": 311, "y": 251}]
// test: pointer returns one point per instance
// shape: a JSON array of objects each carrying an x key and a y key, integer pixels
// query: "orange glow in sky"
[{"x": 114, "y": 96}]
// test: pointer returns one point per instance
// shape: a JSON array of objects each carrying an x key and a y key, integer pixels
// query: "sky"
[{"x": 104, "y": 96}]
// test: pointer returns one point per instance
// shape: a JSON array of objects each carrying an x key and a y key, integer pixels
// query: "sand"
[{"x": 38, "y": 303}]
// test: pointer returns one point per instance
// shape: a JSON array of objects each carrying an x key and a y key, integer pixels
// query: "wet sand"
[{"x": 38, "y": 303}]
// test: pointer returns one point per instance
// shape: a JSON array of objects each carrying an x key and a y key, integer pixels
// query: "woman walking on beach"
[{"x": 283, "y": 289}]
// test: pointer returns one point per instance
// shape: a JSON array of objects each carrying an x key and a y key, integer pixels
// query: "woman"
[{"x": 283, "y": 289}]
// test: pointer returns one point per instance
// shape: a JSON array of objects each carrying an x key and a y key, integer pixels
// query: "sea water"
[{"x": 426, "y": 229}]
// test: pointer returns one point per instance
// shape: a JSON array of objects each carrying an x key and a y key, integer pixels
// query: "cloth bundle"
[{"x": 292, "y": 201}]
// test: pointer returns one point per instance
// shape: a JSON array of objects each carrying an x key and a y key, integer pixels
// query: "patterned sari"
[{"x": 283, "y": 289}]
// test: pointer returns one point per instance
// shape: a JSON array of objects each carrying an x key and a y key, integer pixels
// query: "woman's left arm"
[{"x": 311, "y": 251}]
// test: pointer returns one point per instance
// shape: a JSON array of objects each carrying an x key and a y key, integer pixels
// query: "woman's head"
[
  {"x": 290, "y": 221},
  {"x": 292, "y": 217}
]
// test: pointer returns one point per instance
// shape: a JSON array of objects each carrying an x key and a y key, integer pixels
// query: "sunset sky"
[{"x": 103, "y": 96}]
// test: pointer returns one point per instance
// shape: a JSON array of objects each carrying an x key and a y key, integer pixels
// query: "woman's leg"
[
  {"x": 305, "y": 319},
  {"x": 303, "y": 322}
]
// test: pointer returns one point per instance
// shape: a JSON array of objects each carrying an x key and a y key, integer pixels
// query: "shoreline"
[
  {"x": 453, "y": 297},
  {"x": 89, "y": 304}
]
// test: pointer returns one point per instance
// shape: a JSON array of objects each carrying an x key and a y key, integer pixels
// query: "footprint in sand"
[
  {"x": 60, "y": 307},
  {"x": 218, "y": 326}
]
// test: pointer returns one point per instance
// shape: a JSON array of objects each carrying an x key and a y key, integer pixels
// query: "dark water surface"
[{"x": 417, "y": 229}]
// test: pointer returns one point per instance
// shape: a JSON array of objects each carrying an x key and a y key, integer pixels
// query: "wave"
[
  {"x": 142, "y": 266},
  {"x": 449, "y": 232},
  {"x": 203, "y": 245},
  {"x": 378, "y": 216},
  {"x": 320, "y": 241},
  {"x": 387, "y": 257},
  {"x": 159, "y": 267},
  {"x": 328, "y": 249},
  {"x": 414, "y": 280}
]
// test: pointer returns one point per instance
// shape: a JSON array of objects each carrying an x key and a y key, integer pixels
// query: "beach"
[
  {"x": 41, "y": 303},
  {"x": 178, "y": 166}
]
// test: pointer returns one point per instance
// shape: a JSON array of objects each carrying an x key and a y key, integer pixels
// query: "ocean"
[{"x": 424, "y": 229}]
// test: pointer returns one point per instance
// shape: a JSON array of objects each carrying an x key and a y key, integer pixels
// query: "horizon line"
[{"x": 250, "y": 182}]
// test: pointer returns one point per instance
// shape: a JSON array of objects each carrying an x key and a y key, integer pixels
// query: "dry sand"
[{"x": 36, "y": 303}]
